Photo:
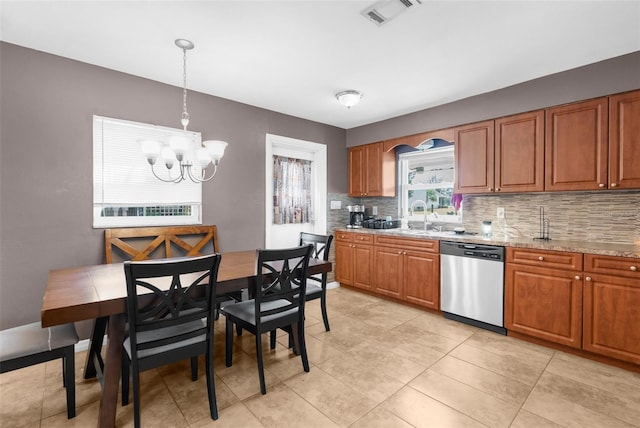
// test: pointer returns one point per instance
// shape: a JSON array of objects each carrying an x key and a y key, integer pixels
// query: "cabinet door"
[
  {"x": 544, "y": 303},
  {"x": 421, "y": 280},
  {"x": 576, "y": 143},
  {"x": 624, "y": 141},
  {"x": 363, "y": 257},
  {"x": 474, "y": 153},
  {"x": 373, "y": 170},
  {"x": 612, "y": 316},
  {"x": 388, "y": 271},
  {"x": 344, "y": 262},
  {"x": 356, "y": 171},
  {"x": 519, "y": 155}
]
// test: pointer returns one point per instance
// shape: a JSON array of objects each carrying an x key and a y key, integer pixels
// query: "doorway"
[{"x": 304, "y": 157}]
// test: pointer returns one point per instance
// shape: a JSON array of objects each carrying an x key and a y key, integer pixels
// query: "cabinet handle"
[
  {"x": 540, "y": 258},
  {"x": 577, "y": 277},
  {"x": 404, "y": 253},
  {"x": 614, "y": 184},
  {"x": 399, "y": 252},
  {"x": 601, "y": 185},
  {"x": 588, "y": 278},
  {"x": 633, "y": 268},
  {"x": 497, "y": 189}
]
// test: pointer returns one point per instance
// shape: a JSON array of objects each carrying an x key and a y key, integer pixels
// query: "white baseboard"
[{"x": 334, "y": 284}]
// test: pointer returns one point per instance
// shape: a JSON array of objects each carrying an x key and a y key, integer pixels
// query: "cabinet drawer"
[
  {"x": 344, "y": 237},
  {"x": 428, "y": 245},
  {"x": 544, "y": 258},
  {"x": 362, "y": 238},
  {"x": 610, "y": 265}
]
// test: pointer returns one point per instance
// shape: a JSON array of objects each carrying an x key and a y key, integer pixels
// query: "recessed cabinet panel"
[
  {"x": 544, "y": 303},
  {"x": 576, "y": 143},
  {"x": 474, "y": 151},
  {"x": 624, "y": 141},
  {"x": 612, "y": 316},
  {"x": 519, "y": 153}
]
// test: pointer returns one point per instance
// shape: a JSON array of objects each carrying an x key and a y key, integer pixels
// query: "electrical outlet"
[
  {"x": 374, "y": 210},
  {"x": 500, "y": 212}
]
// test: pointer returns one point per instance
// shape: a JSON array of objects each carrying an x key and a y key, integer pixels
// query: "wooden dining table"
[{"x": 99, "y": 292}]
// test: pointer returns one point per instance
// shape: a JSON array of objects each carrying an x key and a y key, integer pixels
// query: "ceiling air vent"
[{"x": 385, "y": 10}]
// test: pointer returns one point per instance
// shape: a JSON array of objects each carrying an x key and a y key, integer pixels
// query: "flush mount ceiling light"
[
  {"x": 192, "y": 161},
  {"x": 349, "y": 98}
]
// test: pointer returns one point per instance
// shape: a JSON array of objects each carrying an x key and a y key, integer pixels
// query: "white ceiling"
[{"x": 293, "y": 56}]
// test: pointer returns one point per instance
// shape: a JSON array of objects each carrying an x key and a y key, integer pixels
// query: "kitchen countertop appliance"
[
  {"x": 380, "y": 223},
  {"x": 356, "y": 216},
  {"x": 472, "y": 284}
]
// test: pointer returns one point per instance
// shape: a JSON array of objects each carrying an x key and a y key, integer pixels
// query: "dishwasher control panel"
[{"x": 487, "y": 252}]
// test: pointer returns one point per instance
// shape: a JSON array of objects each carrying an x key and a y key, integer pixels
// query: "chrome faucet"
[{"x": 424, "y": 204}]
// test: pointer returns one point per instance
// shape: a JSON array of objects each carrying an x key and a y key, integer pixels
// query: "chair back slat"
[
  {"x": 281, "y": 281},
  {"x": 169, "y": 293},
  {"x": 321, "y": 244},
  {"x": 144, "y": 243}
]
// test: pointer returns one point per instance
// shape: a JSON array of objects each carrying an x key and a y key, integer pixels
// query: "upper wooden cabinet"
[
  {"x": 624, "y": 141},
  {"x": 576, "y": 146},
  {"x": 474, "y": 158},
  {"x": 372, "y": 171},
  {"x": 519, "y": 153},
  {"x": 505, "y": 155}
]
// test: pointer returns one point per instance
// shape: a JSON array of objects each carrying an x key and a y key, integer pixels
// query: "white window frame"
[
  {"x": 405, "y": 187},
  {"x": 122, "y": 178}
]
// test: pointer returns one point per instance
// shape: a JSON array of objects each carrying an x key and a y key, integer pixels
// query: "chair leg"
[
  {"x": 323, "y": 308},
  {"x": 125, "y": 378},
  {"x": 263, "y": 387},
  {"x": 238, "y": 330},
  {"x": 298, "y": 329},
  {"x": 70, "y": 380},
  {"x": 194, "y": 368},
  {"x": 211, "y": 387},
  {"x": 136, "y": 397},
  {"x": 229, "y": 343},
  {"x": 272, "y": 339}
]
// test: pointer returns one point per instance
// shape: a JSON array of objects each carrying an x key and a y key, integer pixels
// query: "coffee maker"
[{"x": 356, "y": 216}]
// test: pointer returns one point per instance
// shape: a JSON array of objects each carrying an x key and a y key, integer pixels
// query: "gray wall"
[
  {"x": 47, "y": 104},
  {"x": 618, "y": 74}
]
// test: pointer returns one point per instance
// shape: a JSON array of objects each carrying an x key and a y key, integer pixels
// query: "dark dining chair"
[
  {"x": 30, "y": 344},
  {"x": 170, "y": 309},
  {"x": 278, "y": 302},
  {"x": 317, "y": 286}
]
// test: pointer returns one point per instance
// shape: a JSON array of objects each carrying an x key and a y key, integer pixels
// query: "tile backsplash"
[{"x": 611, "y": 216}]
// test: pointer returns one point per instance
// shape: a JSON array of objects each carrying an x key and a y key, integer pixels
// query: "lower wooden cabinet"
[
  {"x": 354, "y": 255},
  {"x": 544, "y": 303},
  {"x": 611, "y": 316},
  {"x": 408, "y": 269}
]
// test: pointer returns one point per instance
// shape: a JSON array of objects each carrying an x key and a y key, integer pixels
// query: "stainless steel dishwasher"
[{"x": 472, "y": 284}]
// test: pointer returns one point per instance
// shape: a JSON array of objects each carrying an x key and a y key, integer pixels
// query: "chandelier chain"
[{"x": 185, "y": 114}]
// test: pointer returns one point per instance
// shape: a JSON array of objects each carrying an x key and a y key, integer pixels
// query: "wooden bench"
[{"x": 144, "y": 243}]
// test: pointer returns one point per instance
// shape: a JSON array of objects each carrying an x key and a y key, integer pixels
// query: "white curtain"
[{"x": 292, "y": 202}]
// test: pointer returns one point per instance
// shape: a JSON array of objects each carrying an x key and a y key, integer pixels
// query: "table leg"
[
  {"x": 94, "y": 365},
  {"x": 109, "y": 398}
]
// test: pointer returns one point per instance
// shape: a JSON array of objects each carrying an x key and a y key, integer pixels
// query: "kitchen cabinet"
[
  {"x": 519, "y": 153},
  {"x": 372, "y": 171},
  {"x": 474, "y": 151},
  {"x": 611, "y": 316},
  {"x": 543, "y": 295},
  {"x": 505, "y": 155},
  {"x": 354, "y": 255},
  {"x": 408, "y": 269},
  {"x": 624, "y": 141},
  {"x": 576, "y": 146}
]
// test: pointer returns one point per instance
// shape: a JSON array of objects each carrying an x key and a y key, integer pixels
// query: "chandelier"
[{"x": 192, "y": 164}]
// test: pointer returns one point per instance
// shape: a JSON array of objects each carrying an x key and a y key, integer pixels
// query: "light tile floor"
[{"x": 382, "y": 365}]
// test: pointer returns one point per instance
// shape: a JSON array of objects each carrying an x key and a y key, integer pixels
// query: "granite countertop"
[{"x": 588, "y": 247}]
